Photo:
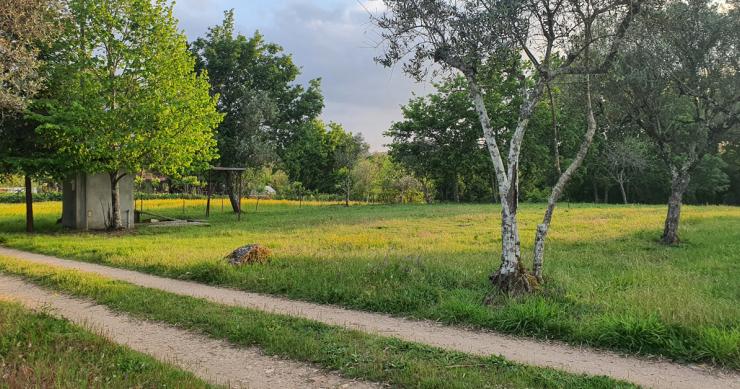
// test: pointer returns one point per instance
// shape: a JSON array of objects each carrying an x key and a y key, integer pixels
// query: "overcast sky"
[{"x": 330, "y": 39}]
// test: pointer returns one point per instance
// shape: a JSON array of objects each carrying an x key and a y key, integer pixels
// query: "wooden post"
[
  {"x": 208, "y": 202},
  {"x": 239, "y": 194},
  {"x": 29, "y": 204}
]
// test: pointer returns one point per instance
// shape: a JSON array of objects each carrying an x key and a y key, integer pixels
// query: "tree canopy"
[{"x": 124, "y": 95}]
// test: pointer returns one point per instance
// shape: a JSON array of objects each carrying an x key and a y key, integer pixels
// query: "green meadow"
[{"x": 609, "y": 283}]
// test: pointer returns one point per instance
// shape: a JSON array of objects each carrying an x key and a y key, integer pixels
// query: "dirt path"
[
  {"x": 656, "y": 374},
  {"x": 214, "y": 361}
]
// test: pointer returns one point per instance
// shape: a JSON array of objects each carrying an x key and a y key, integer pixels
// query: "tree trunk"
[
  {"x": 679, "y": 183},
  {"x": 455, "y": 188},
  {"x": 596, "y": 192},
  {"x": 347, "y": 186},
  {"x": 231, "y": 191},
  {"x": 624, "y": 192},
  {"x": 563, "y": 180},
  {"x": 29, "y": 204},
  {"x": 115, "y": 217},
  {"x": 606, "y": 194},
  {"x": 511, "y": 277}
]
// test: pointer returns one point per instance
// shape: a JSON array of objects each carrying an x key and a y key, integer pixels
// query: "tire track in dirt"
[
  {"x": 580, "y": 360},
  {"x": 212, "y": 360}
]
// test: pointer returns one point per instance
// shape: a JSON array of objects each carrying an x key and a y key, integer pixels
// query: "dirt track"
[
  {"x": 214, "y": 361},
  {"x": 648, "y": 373}
]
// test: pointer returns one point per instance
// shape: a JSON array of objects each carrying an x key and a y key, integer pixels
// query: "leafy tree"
[
  {"x": 439, "y": 138},
  {"x": 462, "y": 36},
  {"x": 308, "y": 158},
  {"x": 348, "y": 152},
  {"x": 625, "y": 158},
  {"x": 124, "y": 95},
  {"x": 264, "y": 110},
  {"x": 680, "y": 80},
  {"x": 364, "y": 174},
  {"x": 25, "y": 27}
]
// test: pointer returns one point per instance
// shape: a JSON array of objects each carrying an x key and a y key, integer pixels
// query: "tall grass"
[
  {"x": 352, "y": 353},
  {"x": 40, "y": 351},
  {"x": 609, "y": 283}
]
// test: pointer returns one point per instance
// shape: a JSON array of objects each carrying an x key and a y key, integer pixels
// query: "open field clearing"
[
  {"x": 351, "y": 353},
  {"x": 609, "y": 283},
  {"x": 40, "y": 351}
]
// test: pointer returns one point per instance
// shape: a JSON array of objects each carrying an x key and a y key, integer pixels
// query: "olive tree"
[
  {"x": 681, "y": 86},
  {"x": 461, "y": 36}
]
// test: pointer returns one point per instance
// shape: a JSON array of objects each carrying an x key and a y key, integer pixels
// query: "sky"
[{"x": 329, "y": 39}]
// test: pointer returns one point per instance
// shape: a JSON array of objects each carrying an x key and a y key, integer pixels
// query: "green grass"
[
  {"x": 40, "y": 351},
  {"x": 609, "y": 283},
  {"x": 352, "y": 353}
]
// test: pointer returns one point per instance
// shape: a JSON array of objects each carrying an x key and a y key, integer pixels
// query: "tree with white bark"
[
  {"x": 461, "y": 36},
  {"x": 680, "y": 78}
]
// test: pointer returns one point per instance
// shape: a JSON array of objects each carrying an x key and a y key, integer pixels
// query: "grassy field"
[
  {"x": 40, "y": 351},
  {"x": 354, "y": 354},
  {"x": 609, "y": 283}
]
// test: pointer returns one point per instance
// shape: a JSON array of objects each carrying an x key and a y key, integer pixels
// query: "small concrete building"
[{"x": 86, "y": 203}]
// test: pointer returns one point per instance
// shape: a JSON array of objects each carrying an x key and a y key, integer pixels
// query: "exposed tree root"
[{"x": 520, "y": 283}]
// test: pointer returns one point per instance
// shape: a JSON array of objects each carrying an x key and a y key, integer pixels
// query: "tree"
[
  {"x": 625, "y": 158},
  {"x": 464, "y": 35},
  {"x": 124, "y": 94},
  {"x": 25, "y": 26},
  {"x": 364, "y": 175},
  {"x": 264, "y": 109},
  {"x": 349, "y": 150},
  {"x": 681, "y": 87},
  {"x": 439, "y": 137}
]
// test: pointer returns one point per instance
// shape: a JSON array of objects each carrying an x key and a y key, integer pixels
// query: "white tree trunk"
[
  {"x": 623, "y": 191},
  {"x": 557, "y": 190},
  {"x": 511, "y": 277}
]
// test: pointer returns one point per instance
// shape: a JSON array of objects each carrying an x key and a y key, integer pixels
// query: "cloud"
[{"x": 331, "y": 40}]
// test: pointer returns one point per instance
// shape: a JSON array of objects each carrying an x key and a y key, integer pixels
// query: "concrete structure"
[{"x": 87, "y": 201}]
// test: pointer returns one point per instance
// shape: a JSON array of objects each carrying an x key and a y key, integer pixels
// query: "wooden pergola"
[{"x": 228, "y": 171}]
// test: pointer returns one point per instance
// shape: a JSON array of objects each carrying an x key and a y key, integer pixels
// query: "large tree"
[
  {"x": 681, "y": 82},
  {"x": 124, "y": 94},
  {"x": 350, "y": 149},
  {"x": 464, "y": 35},
  {"x": 27, "y": 27},
  {"x": 439, "y": 136},
  {"x": 264, "y": 108}
]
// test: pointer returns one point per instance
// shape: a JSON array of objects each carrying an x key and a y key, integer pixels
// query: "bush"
[{"x": 18, "y": 198}]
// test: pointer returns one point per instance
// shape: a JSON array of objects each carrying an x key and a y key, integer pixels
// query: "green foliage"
[
  {"x": 123, "y": 92},
  {"x": 18, "y": 198},
  {"x": 439, "y": 138},
  {"x": 318, "y": 154},
  {"x": 267, "y": 116}
]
